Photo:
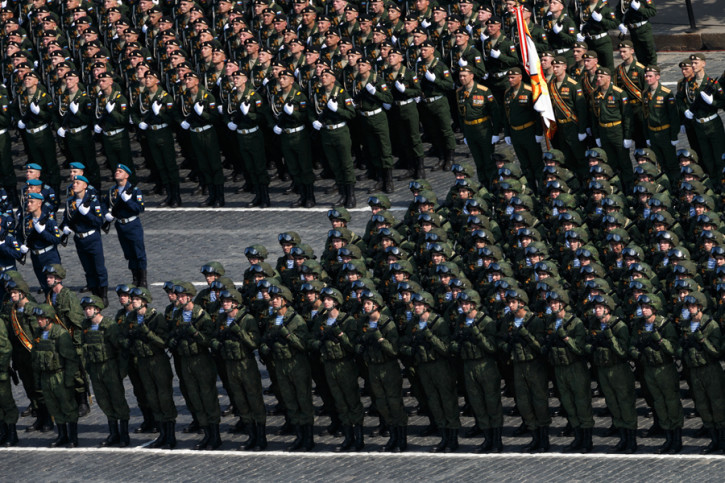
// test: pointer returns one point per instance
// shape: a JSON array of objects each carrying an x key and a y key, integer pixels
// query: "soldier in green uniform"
[
  {"x": 100, "y": 356},
  {"x": 111, "y": 119},
  {"x": 7, "y": 173},
  {"x": 634, "y": 18},
  {"x": 235, "y": 339},
  {"x": 285, "y": 338},
  {"x": 244, "y": 113},
  {"x": 572, "y": 117},
  {"x": 629, "y": 76},
  {"x": 480, "y": 116},
  {"x": 662, "y": 123},
  {"x": 522, "y": 127},
  {"x": 521, "y": 336},
  {"x": 561, "y": 31},
  {"x": 499, "y": 55},
  {"x": 8, "y": 410},
  {"x": 190, "y": 330},
  {"x": 597, "y": 19},
  {"x": 289, "y": 111},
  {"x": 333, "y": 109},
  {"x": 55, "y": 363}
]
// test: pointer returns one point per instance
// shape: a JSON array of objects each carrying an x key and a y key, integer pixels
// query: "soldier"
[
  {"x": 111, "y": 119},
  {"x": 8, "y": 410},
  {"x": 662, "y": 121},
  {"x": 596, "y": 19},
  {"x": 481, "y": 118},
  {"x": 7, "y": 174},
  {"x": 570, "y": 109},
  {"x": 522, "y": 126},
  {"x": 561, "y": 31},
  {"x": 55, "y": 364},
  {"x": 500, "y": 55},
  {"x": 100, "y": 356},
  {"x": 629, "y": 77},
  {"x": 39, "y": 235},
  {"x": 634, "y": 18}
]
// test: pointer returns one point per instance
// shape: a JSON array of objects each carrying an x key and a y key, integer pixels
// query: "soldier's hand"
[
  {"x": 110, "y": 106},
  {"x": 469, "y": 28},
  {"x": 561, "y": 333},
  {"x": 24, "y": 249},
  {"x": 582, "y": 136},
  {"x": 539, "y": 139},
  {"x": 370, "y": 88},
  {"x": 185, "y": 125},
  {"x": 199, "y": 108},
  {"x": 558, "y": 27},
  {"x": 462, "y": 62},
  {"x": 156, "y": 107},
  {"x": 109, "y": 217},
  {"x": 87, "y": 202},
  {"x": 21, "y": 124},
  {"x": 430, "y": 76},
  {"x": 689, "y": 114},
  {"x": 231, "y": 126},
  {"x": 277, "y": 130},
  {"x": 317, "y": 125},
  {"x": 627, "y": 143},
  {"x": 599, "y": 142},
  {"x": 508, "y": 140},
  {"x": 73, "y": 106},
  {"x": 387, "y": 106},
  {"x": 61, "y": 132},
  {"x": 400, "y": 86},
  {"x": 580, "y": 37},
  {"x": 597, "y": 16},
  {"x": 67, "y": 231},
  {"x": 143, "y": 126},
  {"x": 97, "y": 129},
  {"x": 495, "y": 53},
  {"x": 635, "y": 4},
  {"x": 220, "y": 109},
  {"x": 698, "y": 336},
  {"x": 622, "y": 28},
  {"x": 265, "y": 81},
  {"x": 126, "y": 195},
  {"x": 244, "y": 107},
  {"x": 332, "y": 105},
  {"x": 34, "y": 108},
  {"x": 682, "y": 129},
  {"x": 706, "y": 97},
  {"x": 39, "y": 227},
  {"x": 425, "y": 23},
  {"x": 483, "y": 37},
  {"x": 674, "y": 143}
]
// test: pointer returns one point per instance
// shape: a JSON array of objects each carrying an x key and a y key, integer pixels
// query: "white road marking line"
[{"x": 262, "y": 210}]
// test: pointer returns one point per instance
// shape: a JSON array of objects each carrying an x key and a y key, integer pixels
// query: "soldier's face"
[
  {"x": 79, "y": 186},
  {"x": 603, "y": 80},
  {"x": 698, "y": 65},
  {"x": 686, "y": 71},
  {"x": 652, "y": 78},
  {"x": 515, "y": 80},
  {"x": 465, "y": 77},
  {"x": 16, "y": 295},
  {"x": 394, "y": 59},
  {"x": 34, "y": 205},
  {"x": 590, "y": 64},
  {"x": 363, "y": 68},
  {"x": 427, "y": 52},
  {"x": 277, "y": 302},
  {"x": 439, "y": 16},
  {"x": 626, "y": 53},
  {"x": 493, "y": 29},
  {"x": 647, "y": 311},
  {"x": 105, "y": 83},
  {"x": 559, "y": 69},
  {"x": 419, "y": 308},
  {"x": 328, "y": 303},
  {"x": 555, "y": 7},
  {"x": 30, "y": 81},
  {"x": 90, "y": 311},
  {"x": 43, "y": 322}
]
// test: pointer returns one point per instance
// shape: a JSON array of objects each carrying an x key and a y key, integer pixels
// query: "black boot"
[
  {"x": 631, "y": 441},
  {"x": 348, "y": 441},
  {"x": 113, "y": 436},
  {"x": 193, "y": 427},
  {"x": 676, "y": 441},
  {"x": 497, "y": 446},
  {"x": 3, "y": 433},
  {"x": 441, "y": 447},
  {"x": 393, "y": 440},
  {"x": 252, "y": 441},
  {"x": 487, "y": 442},
  {"x": 176, "y": 201},
  {"x": 665, "y": 448},
  {"x": 622, "y": 443},
  {"x": 261, "y": 436},
  {"x": 297, "y": 443},
  {"x": 308, "y": 443},
  {"x": 714, "y": 442},
  {"x": 103, "y": 291},
  {"x": 452, "y": 440},
  {"x": 420, "y": 168},
  {"x": 587, "y": 444},
  {"x": 124, "y": 440},
  {"x": 148, "y": 424},
  {"x": 62, "y": 438},
  {"x": 82, "y": 397},
  {"x": 201, "y": 445},
  {"x": 721, "y": 437},
  {"x": 12, "y": 436},
  {"x": 169, "y": 194},
  {"x": 543, "y": 439},
  {"x": 72, "y": 435},
  {"x": 170, "y": 435},
  {"x": 257, "y": 200},
  {"x": 402, "y": 439},
  {"x": 388, "y": 185},
  {"x": 215, "y": 441},
  {"x": 266, "y": 203},
  {"x": 219, "y": 200},
  {"x": 533, "y": 446},
  {"x": 160, "y": 441},
  {"x": 357, "y": 431},
  {"x": 142, "y": 282},
  {"x": 350, "y": 201},
  {"x": 575, "y": 445},
  {"x": 43, "y": 422},
  {"x": 210, "y": 200},
  {"x": 310, "y": 201},
  {"x": 448, "y": 159},
  {"x": 302, "y": 200}
]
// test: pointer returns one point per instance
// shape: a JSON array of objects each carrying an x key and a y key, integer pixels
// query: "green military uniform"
[
  {"x": 522, "y": 125},
  {"x": 572, "y": 121},
  {"x": 498, "y": 67},
  {"x": 630, "y": 78},
  {"x": 8, "y": 410},
  {"x": 7, "y": 173},
  {"x": 435, "y": 83},
  {"x": 662, "y": 127},
  {"x": 405, "y": 87},
  {"x": 469, "y": 57},
  {"x": 611, "y": 126},
  {"x": 636, "y": 19},
  {"x": 480, "y": 115},
  {"x": 561, "y": 33},
  {"x": 113, "y": 125},
  {"x": 597, "y": 31},
  {"x": 77, "y": 129}
]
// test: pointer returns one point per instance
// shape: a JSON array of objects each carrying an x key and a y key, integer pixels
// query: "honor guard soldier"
[
  {"x": 596, "y": 20},
  {"x": 464, "y": 54},
  {"x": 561, "y": 31},
  {"x": 634, "y": 18},
  {"x": 10, "y": 251},
  {"x": 629, "y": 76},
  {"x": 33, "y": 175},
  {"x": 500, "y": 55},
  {"x": 572, "y": 117},
  {"x": 111, "y": 120},
  {"x": 125, "y": 205},
  {"x": 481, "y": 118},
  {"x": 83, "y": 216},
  {"x": 662, "y": 123},
  {"x": 39, "y": 235}
]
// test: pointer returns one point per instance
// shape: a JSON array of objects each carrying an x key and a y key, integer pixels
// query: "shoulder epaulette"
[
  {"x": 527, "y": 87},
  {"x": 617, "y": 89},
  {"x": 666, "y": 90},
  {"x": 640, "y": 65}
]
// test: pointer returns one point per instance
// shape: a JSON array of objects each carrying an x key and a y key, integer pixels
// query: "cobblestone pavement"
[{"x": 179, "y": 241}]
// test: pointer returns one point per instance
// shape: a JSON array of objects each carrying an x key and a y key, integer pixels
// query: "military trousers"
[
  {"x": 163, "y": 155},
  {"x": 386, "y": 383},
  {"x": 604, "y": 49},
  {"x": 7, "y": 172},
  {"x": 23, "y": 364},
  {"x": 131, "y": 239},
  {"x": 251, "y": 150},
  {"x": 483, "y": 387},
  {"x": 205, "y": 145},
  {"x": 200, "y": 378},
  {"x": 644, "y": 44},
  {"x": 574, "y": 384},
  {"x": 528, "y": 152},
  {"x": 407, "y": 121},
  {"x": 665, "y": 152},
  {"x": 342, "y": 377},
  {"x": 612, "y": 139},
  {"x": 41, "y": 150},
  {"x": 82, "y": 149},
  {"x": 437, "y": 122},
  {"x": 295, "y": 387},
  {"x": 90, "y": 253},
  {"x": 663, "y": 382},
  {"x": 129, "y": 367},
  {"x": 711, "y": 138},
  {"x": 531, "y": 388},
  {"x": 108, "y": 389},
  {"x": 59, "y": 394},
  {"x": 337, "y": 146},
  {"x": 297, "y": 155},
  {"x": 157, "y": 379},
  {"x": 478, "y": 138},
  {"x": 8, "y": 409},
  {"x": 617, "y": 383},
  {"x": 440, "y": 392},
  {"x": 245, "y": 389},
  {"x": 376, "y": 140},
  {"x": 707, "y": 384},
  {"x": 566, "y": 140},
  {"x": 39, "y": 261},
  {"x": 117, "y": 149}
]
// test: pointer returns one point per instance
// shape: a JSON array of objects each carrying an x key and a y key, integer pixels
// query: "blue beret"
[
  {"x": 34, "y": 166},
  {"x": 81, "y": 178},
  {"x": 34, "y": 182},
  {"x": 124, "y": 167},
  {"x": 36, "y": 196},
  {"x": 77, "y": 165}
]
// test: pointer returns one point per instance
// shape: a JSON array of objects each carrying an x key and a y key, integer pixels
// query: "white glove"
[
  {"x": 297, "y": 73},
  {"x": 622, "y": 28},
  {"x": 73, "y": 107},
  {"x": 332, "y": 105},
  {"x": 682, "y": 129},
  {"x": 156, "y": 107},
  {"x": 83, "y": 210},
  {"x": 597, "y": 16},
  {"x": 417, "y": 100},
  {"x": 289, "y": 108},
  {"x": 219, "y": 81},
  {"x": 649, "y": 143},
  {"x": 61, "y": 132},
  {"x": 220, "y": 109},
  {"x": 244, "y": 107},
  {"x": 317, "y": 125},
  {"x": 143, "y": 126},
  {"x": 508, "y": 140},
  {"x": 265, "y": 81},
  {"x": 689, "y": 114},
  {"x": 34, "y": 108},
  {"x": 469, "y": 28},
  {"x": 199, "y": 108},
  {"x": 485, "y": 76},
  {"x": 23, "y": 249},
  {"x": 110, "y": 106},
  {"x": 399, "y": 86},
  {"x": 627, "y": 143},
  {"x": 484, "y": 37},
  {"x": 462, "y": 62},
  {"x": 387, "y": 106},
  {"x": 21, "y": 125},
  {"x": 370, "y": 88},
  {"x": 38, "y": 227},
  {"x": 231, "y": 126},
  {"x": 97, "y": 129},
  {"x": 130, "y": 121},
  {"x": 557, "y": 28},
  {"x": 277, "y": 130},
  {"x": 580, "y": 38},
  {"x": 539, "y": 139},
  {"x": 599, "y": 142},
  {"x": 185, "y": 124},
  {"x": 425, "y": 23},
  {"x": 582, "y": 136},
  {"x": 108, "y": 217},
  {"x": 125, "y": 196},
  {"x": 430, "y": 76},
  {"x": 393, "y": 39},
  {"x": 706, "y": 97},
  {"x": 495, "y": 53},
  {"x": 674, "y": 143},
  {"x": 589, "y": 131},
  {"x": 635, "y": 4},
  {"x": 495, "y": 139},
  {"x": 145, "y": 28}
]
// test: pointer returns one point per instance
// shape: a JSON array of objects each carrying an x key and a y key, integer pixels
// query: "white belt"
[
  {"x": 369, "y": 113},
  {"x": 3, "y": 131},
  {"x": 294, "y": 129},
  {"x": 9, "y": 267},
  {"x": 86, "y": 234},
  {"x": 703, "y": 120},
  {"x": 407, "y": 101},
  {"x": 248, "y": 131},
  {"x": 638, "y": 24},
  {"x": 114, "y": 132},
  {"x": 428, "y": 100},
  {"x": 200, "y": 129},
  {"x": 44, "y": 250},
  {"x": 562, "y": 51},
  {"x": 598, "y": 36},
  {"x": 78, "y": 129},
  {"x": 500, "y": 74},
  {"x": 37, "y": 129},
  {"x": 156, "y": 127},
  {"x": 123, "y": 221},
  {"x": 331, "y": 127}
]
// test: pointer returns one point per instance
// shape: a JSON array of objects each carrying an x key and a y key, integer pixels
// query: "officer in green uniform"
[
  {"x": 499, "y": 55},
  {"x": 612, "y": 125},
  {"x": 289, "y": 111},
  {"x": 8, "y": 410},
  {"x": 597, "y": 19},
  {"x": 654, "y": 344},
  {"x": 55, "y": 363},
  {"x": 522, "y": 127},
  {"x": 629, "y": 76},
  {"x": 333, "y": 109},
  {"x": 521, "y": 336},
  {"x": 634, "y": 18},
  {"x": 190, "y": 330},
  {"x": 662, "y": 123},
  {"x": 436, "y": 83},
  {"x": 426, "y": 340},
  {"x": 198, "y": 112},
  {"x": 572, "y": 117},
  {"x": 379, "y": 346},
  {"x": 561, "y": 31},
  {"x": 100, "y": 356},
  {"x": 474, "y": 341},
  {"x": 244, "y": 113},
  {"x": 235, "y": 339},
  {"x": 480, "y": 115},
  {"x": 699, "y": 349},
  {"x": 285, "y": 338},
  {"x": 111, "y": 119}
]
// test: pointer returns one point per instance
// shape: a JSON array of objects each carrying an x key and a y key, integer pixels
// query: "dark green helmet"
[
  {"x": 212, "y": 268},
  {"x": 94, "y": 301},
  {"x": 332, "y": 293},
  {"x": 56, "y": 269},
  {"x": 143, "y": 293},
  {"x": 44, "y": 310}
]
